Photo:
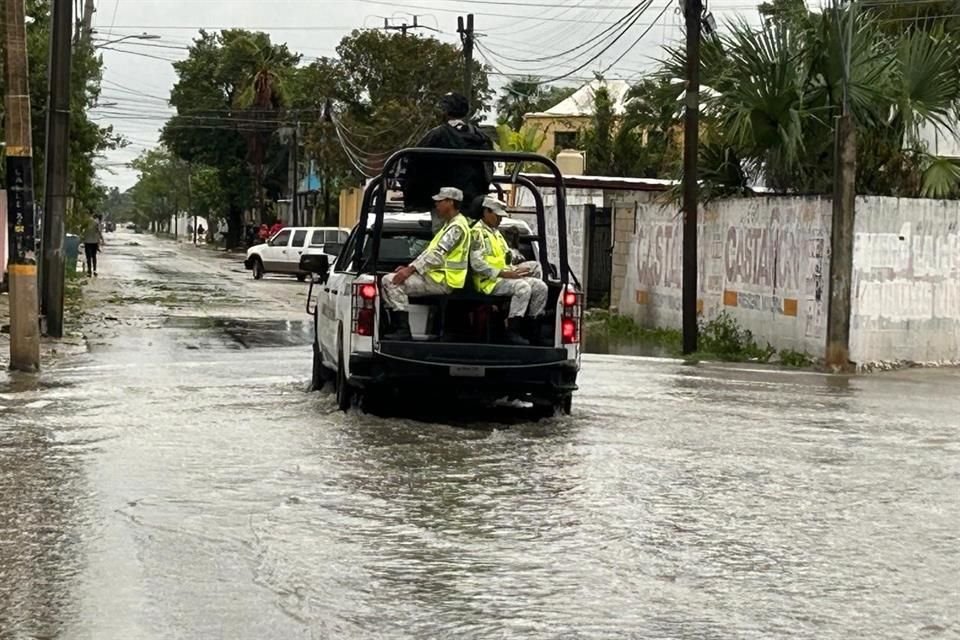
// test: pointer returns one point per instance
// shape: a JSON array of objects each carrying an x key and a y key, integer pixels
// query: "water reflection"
[{"x": 42, "y": 510}]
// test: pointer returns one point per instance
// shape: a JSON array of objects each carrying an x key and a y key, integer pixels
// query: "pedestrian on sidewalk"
[{"x": 92, "y": 239}]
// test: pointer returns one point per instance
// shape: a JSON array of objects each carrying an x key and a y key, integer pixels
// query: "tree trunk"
[{"x": 234, "y": 227}]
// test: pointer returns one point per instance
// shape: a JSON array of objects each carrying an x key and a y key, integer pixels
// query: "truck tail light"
[
  {"x": 570, "y": 317},
  {"x": 364, "y": 308}
]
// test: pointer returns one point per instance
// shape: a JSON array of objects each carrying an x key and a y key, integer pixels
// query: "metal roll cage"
[{"x": 376, "y": 195}]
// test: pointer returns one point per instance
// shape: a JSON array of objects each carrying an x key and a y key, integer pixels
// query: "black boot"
[
  {"x": 515, "y": 332},
  {"x": 401, "y": 326}
]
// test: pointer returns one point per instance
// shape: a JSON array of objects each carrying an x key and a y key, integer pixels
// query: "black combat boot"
[
  {"x": 515, "y": 332},
  {"x": 401, "y": 326}
]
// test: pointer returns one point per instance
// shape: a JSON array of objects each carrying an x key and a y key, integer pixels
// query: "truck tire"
[
  {"x": 343, "y": 392},
  {"x": 321, "y": 375},
  {"x": 258, "y": 269}
]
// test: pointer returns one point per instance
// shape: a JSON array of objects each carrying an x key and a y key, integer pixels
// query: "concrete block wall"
[
  {"x": 906, "y": 281},
  {"x": 762, "y": 260}
]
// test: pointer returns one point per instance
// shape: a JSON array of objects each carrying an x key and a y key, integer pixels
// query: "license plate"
[{"x": 467, "y": 372}]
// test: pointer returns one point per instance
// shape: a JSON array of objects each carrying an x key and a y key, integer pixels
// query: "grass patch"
[
  {"x": 724, "y": 339},
  {"x": 800, "y": 360},
  {"x": 721, "y": 338},
  {"x": 622, "y": 329}
]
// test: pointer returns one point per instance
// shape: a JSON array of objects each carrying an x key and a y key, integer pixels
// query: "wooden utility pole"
[
  {"x": 844, "y": 218},
  {"x": 24, "y": 307},
  {"x": 56, "y": 161},
  {"x": 466, "y": 37},
  {"x": 691, "y": 138}
]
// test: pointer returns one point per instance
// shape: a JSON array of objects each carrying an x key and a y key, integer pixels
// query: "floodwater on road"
[{"x": 176, "y": 481}]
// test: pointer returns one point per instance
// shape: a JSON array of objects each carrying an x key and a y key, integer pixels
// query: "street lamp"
[{"x": 134, "y": 36}]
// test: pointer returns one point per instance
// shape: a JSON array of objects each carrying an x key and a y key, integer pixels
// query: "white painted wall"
[
  {"x": 762, "y": 260},
  {"x": 578, "y": 203},
  {"x": 906, "y": 282}
]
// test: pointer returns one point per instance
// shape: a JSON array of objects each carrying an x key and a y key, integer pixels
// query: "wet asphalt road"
[{"x": 175, "y": 481}]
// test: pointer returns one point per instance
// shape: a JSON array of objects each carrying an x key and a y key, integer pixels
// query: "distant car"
[
  {"x": 132, "y": 226},
  {"x": 282, "y": 252}
]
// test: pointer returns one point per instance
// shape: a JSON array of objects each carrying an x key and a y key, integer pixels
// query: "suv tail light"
[
  {"x": 364, "y": 308},
  {"x": 570, "y": 318}
]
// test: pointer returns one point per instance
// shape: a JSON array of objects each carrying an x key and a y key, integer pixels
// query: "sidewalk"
[{"x": 72, "y": 343}]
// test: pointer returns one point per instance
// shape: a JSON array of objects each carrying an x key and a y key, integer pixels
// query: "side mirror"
[{"x": 316, "y": 263}]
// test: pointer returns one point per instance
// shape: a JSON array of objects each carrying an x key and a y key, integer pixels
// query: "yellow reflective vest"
[
  {"x": 454, "y": 270},
  {"x": 495, "y": 253}
]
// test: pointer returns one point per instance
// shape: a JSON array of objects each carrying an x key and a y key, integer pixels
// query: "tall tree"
[
  {"x": 771, "y": 94},
  {"x": 212, "y": 127},
  {"x": 87, "y": 138}
]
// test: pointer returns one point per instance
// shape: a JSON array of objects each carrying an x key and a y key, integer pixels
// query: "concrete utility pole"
[
  {"x": 844, "y": 218},
  {"x": 24, "y": 321},
  {"x": 57, "y": 167},
  {"x": 467, "y": 38},
  {"x": 296, "y": 173},
  {"x": 691, "y": 139},
  {"x": 404, "y": 27}
]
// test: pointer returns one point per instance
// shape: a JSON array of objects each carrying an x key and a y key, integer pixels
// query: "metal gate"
[{"x": 600, "y": 257}]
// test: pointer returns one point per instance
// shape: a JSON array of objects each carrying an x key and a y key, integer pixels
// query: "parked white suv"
[{"x": 281, "y": 253}]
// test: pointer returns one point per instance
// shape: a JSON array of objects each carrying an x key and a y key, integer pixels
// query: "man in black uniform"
[{"x": 424, "y": 177}]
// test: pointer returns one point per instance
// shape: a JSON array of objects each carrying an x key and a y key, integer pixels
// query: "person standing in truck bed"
[{"x": 424, "y": 176}]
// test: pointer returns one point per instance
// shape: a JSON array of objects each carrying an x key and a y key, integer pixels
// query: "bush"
[{"x": 723, "y": 338}]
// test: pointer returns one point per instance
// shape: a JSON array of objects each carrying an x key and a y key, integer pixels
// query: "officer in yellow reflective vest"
[
  {"x": 439, "y": 270},
  {"x": 495, "y": 271}
]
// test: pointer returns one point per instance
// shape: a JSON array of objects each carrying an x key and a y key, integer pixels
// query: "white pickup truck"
[{"x": 458, "y": 347}]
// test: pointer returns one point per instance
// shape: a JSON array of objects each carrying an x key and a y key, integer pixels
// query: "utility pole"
[
  {"x": 844, "y": 217},
  {"x": 296, "y": 174},
  {"x": 693, "y": 11},
  {"x": 190, "y": 201},
  {"x": 324, "y": 159},
  {"x": 85, "y": 23},
  {"x": 57, "y": 167},
  {"x": 467, "y": 38},
  {"x": 24, "y": 323}
]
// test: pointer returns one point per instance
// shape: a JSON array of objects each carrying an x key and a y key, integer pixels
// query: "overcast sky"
[{"x": 138, "y": 74}]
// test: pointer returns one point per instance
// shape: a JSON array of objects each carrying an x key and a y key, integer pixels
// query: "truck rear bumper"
[{"x": 491, "y": 371}]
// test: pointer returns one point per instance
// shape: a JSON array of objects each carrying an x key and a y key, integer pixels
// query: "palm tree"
[
  {"x": 771, "y": 94},
  {"x": 262, "y": 99}
]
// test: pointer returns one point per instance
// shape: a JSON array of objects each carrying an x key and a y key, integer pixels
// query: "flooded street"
[{"x": 176, "y": 481}]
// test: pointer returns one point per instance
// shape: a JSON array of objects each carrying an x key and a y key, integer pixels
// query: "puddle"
[
  {"x": 249, "y": 334},
  {"x": 604, "y": 345}
]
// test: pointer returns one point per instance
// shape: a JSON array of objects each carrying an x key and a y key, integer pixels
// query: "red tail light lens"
[
  {"x": 364, "y": 308},
  {"x": 365, "y": 318},
  {"x": 570, "y": 319}
]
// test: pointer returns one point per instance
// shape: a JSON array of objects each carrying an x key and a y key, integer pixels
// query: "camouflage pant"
[
  {"x": 528, "y": 296},
  {"x": 397, "y": 296}
]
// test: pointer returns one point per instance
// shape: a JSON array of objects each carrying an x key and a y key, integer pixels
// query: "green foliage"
[
  {"x": 87, "y": 138},
  {"x": 791, "y": 358},
  {"x": 229, "y": 98},
  {"x": 527, "y": 95},
  {"x": 636, "y": 145},
  {"x": 771, "y": 95},
  {"x": 723, "y": 338}
]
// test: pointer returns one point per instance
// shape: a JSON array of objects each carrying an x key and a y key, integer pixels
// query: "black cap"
[{"x": 455, "y": 105}]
